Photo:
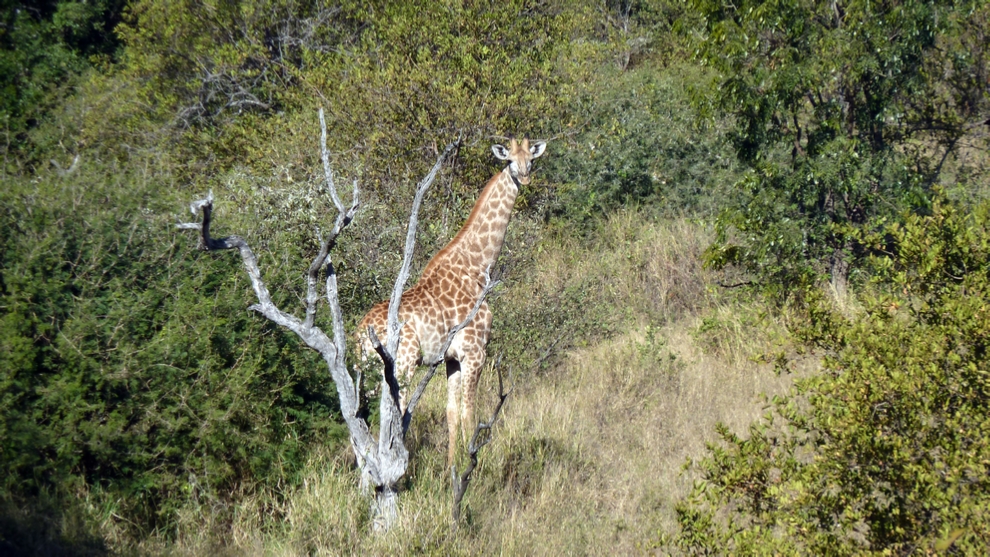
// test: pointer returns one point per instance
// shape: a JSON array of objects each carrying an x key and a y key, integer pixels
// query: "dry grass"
[
  {"x": 588, "y": 457},
  {"x": 634, "y": 265},
  {"x": 603, "y": 437},
  {"x": 621, "y": 418}
]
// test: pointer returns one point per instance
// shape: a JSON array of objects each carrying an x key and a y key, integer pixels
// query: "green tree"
[
  {"x": 43, "y": 45},
  {"x": 843, "y": 114}
]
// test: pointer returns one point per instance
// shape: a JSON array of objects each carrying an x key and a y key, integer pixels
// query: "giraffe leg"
[
  {"x": 454, "y": 378},
  {"x": 471, "y": 366},
  {"x": 405, "y": 366}
]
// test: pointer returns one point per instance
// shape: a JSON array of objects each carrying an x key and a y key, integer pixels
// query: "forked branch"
[
  {"x": 332, "y": 349},
  {"x": 382, "y": 463},
  {"x": 265, "y": 306}
]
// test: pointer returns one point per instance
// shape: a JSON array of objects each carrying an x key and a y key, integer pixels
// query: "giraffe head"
[{"x": 520, "y": 157}]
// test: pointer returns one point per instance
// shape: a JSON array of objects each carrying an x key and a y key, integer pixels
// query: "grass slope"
[{"x": 589, "y": 454}]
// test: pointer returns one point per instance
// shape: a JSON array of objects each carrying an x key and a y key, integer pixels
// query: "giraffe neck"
[{"x": 477, "y": 245}]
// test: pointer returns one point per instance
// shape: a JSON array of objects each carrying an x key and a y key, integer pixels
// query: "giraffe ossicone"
[{"x": 448, "y": 289}]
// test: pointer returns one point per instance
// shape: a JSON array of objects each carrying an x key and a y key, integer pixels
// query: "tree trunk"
[
  {"x": 839, "y": 273},
  {"x": 385, "y": 508}
]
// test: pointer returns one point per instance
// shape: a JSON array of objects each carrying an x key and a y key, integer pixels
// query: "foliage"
[
  {"x": 843, "y": 115},
  {"x": 629, "y": 133},
  {"x": 198, "y": 61},
  {"x": 130, "y": 370},
  {"x": 393, "y": 77},
  {"x": 45, "y": 46},
  {"x": 637, "y": 141},
  {"x": 426, "y": 73},
  {"x": 396, "y": 80},
  {"x": 886, "y": 452},
  {"x": 44, "y": 42}
]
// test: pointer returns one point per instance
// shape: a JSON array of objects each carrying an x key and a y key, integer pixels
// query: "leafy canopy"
[
  {"x": 842, "y": 114},
  {"x": 43, "y": 44}
]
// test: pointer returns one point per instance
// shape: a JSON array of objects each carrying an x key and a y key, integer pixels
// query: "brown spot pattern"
[{"x": 446, "y": 292}]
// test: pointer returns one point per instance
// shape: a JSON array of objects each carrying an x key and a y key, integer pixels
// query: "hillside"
[{"x": 742, "y": 307}]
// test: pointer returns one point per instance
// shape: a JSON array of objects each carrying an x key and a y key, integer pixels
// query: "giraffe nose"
[{"x": 523, "y": 179}]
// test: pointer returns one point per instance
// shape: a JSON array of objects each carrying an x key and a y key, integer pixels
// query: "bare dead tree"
[
  {"x": 481, "y": 437},
  {"x": 382, "y": 461}
]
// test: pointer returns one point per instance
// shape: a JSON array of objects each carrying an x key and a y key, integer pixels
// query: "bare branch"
[
  {"x": 344, "y": 218},
  {"x": 265, "y": 306},
  {"x": 736, "y": 284},
  {"x": 391, "y": 433},
  {"x": 392, "y": 336},
  {"x": 390, "y": 405},
  {"x": 481, "y": 437},
  {"x": 389, "y": 362},
  {"x": 327, "y": 171},
  {"x": 66, "y": 171}
]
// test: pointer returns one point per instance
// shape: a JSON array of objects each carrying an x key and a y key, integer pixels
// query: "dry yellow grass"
[
  {"x": 588, "y": 456},
  {"x": 621, "y": 417}
]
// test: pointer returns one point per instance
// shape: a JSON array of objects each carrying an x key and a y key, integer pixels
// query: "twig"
[
  {"x": 547, "y": 353},
  {"x": 460, "y": 484},
  {"x": 736, "y": 285}
]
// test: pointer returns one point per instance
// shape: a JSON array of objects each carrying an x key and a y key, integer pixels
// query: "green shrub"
[
  {"x": 131, "y": 370},
  {"x": 43, "y": 43},
  {"x": 887, "y": 450},
  {"x": 639, "y": 141}
]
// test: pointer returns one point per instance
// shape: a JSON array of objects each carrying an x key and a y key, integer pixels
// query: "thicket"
[
  {"x": 44, "y": 47},
  {"x": 886, "y": 451},
  {"x": 132, "y": 372},
  {"x": 848, "y": 118},
  {"x": 843, "y": 114}
]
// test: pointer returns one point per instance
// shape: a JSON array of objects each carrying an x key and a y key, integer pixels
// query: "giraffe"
[{"x": 448, "y": 289}]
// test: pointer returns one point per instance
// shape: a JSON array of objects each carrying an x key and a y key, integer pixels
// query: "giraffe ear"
[
  {"x": 501, "y": 153},
  {"x": 537, "y": 148}
]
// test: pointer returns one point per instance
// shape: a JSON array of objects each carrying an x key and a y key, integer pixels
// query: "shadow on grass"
[{"x": 39, "y": 528}]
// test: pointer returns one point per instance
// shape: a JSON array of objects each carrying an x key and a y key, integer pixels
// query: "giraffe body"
[{"x": 448, "y": 289}]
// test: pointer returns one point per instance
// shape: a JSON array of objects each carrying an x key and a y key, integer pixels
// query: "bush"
[
  {"x": 842, "y": 115},
  {"x": 639, "y": 141},
  {"x": 887, "y": 450},
  {"x": 131, "y": 370},
  {"x": 44, "y": 47}
]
